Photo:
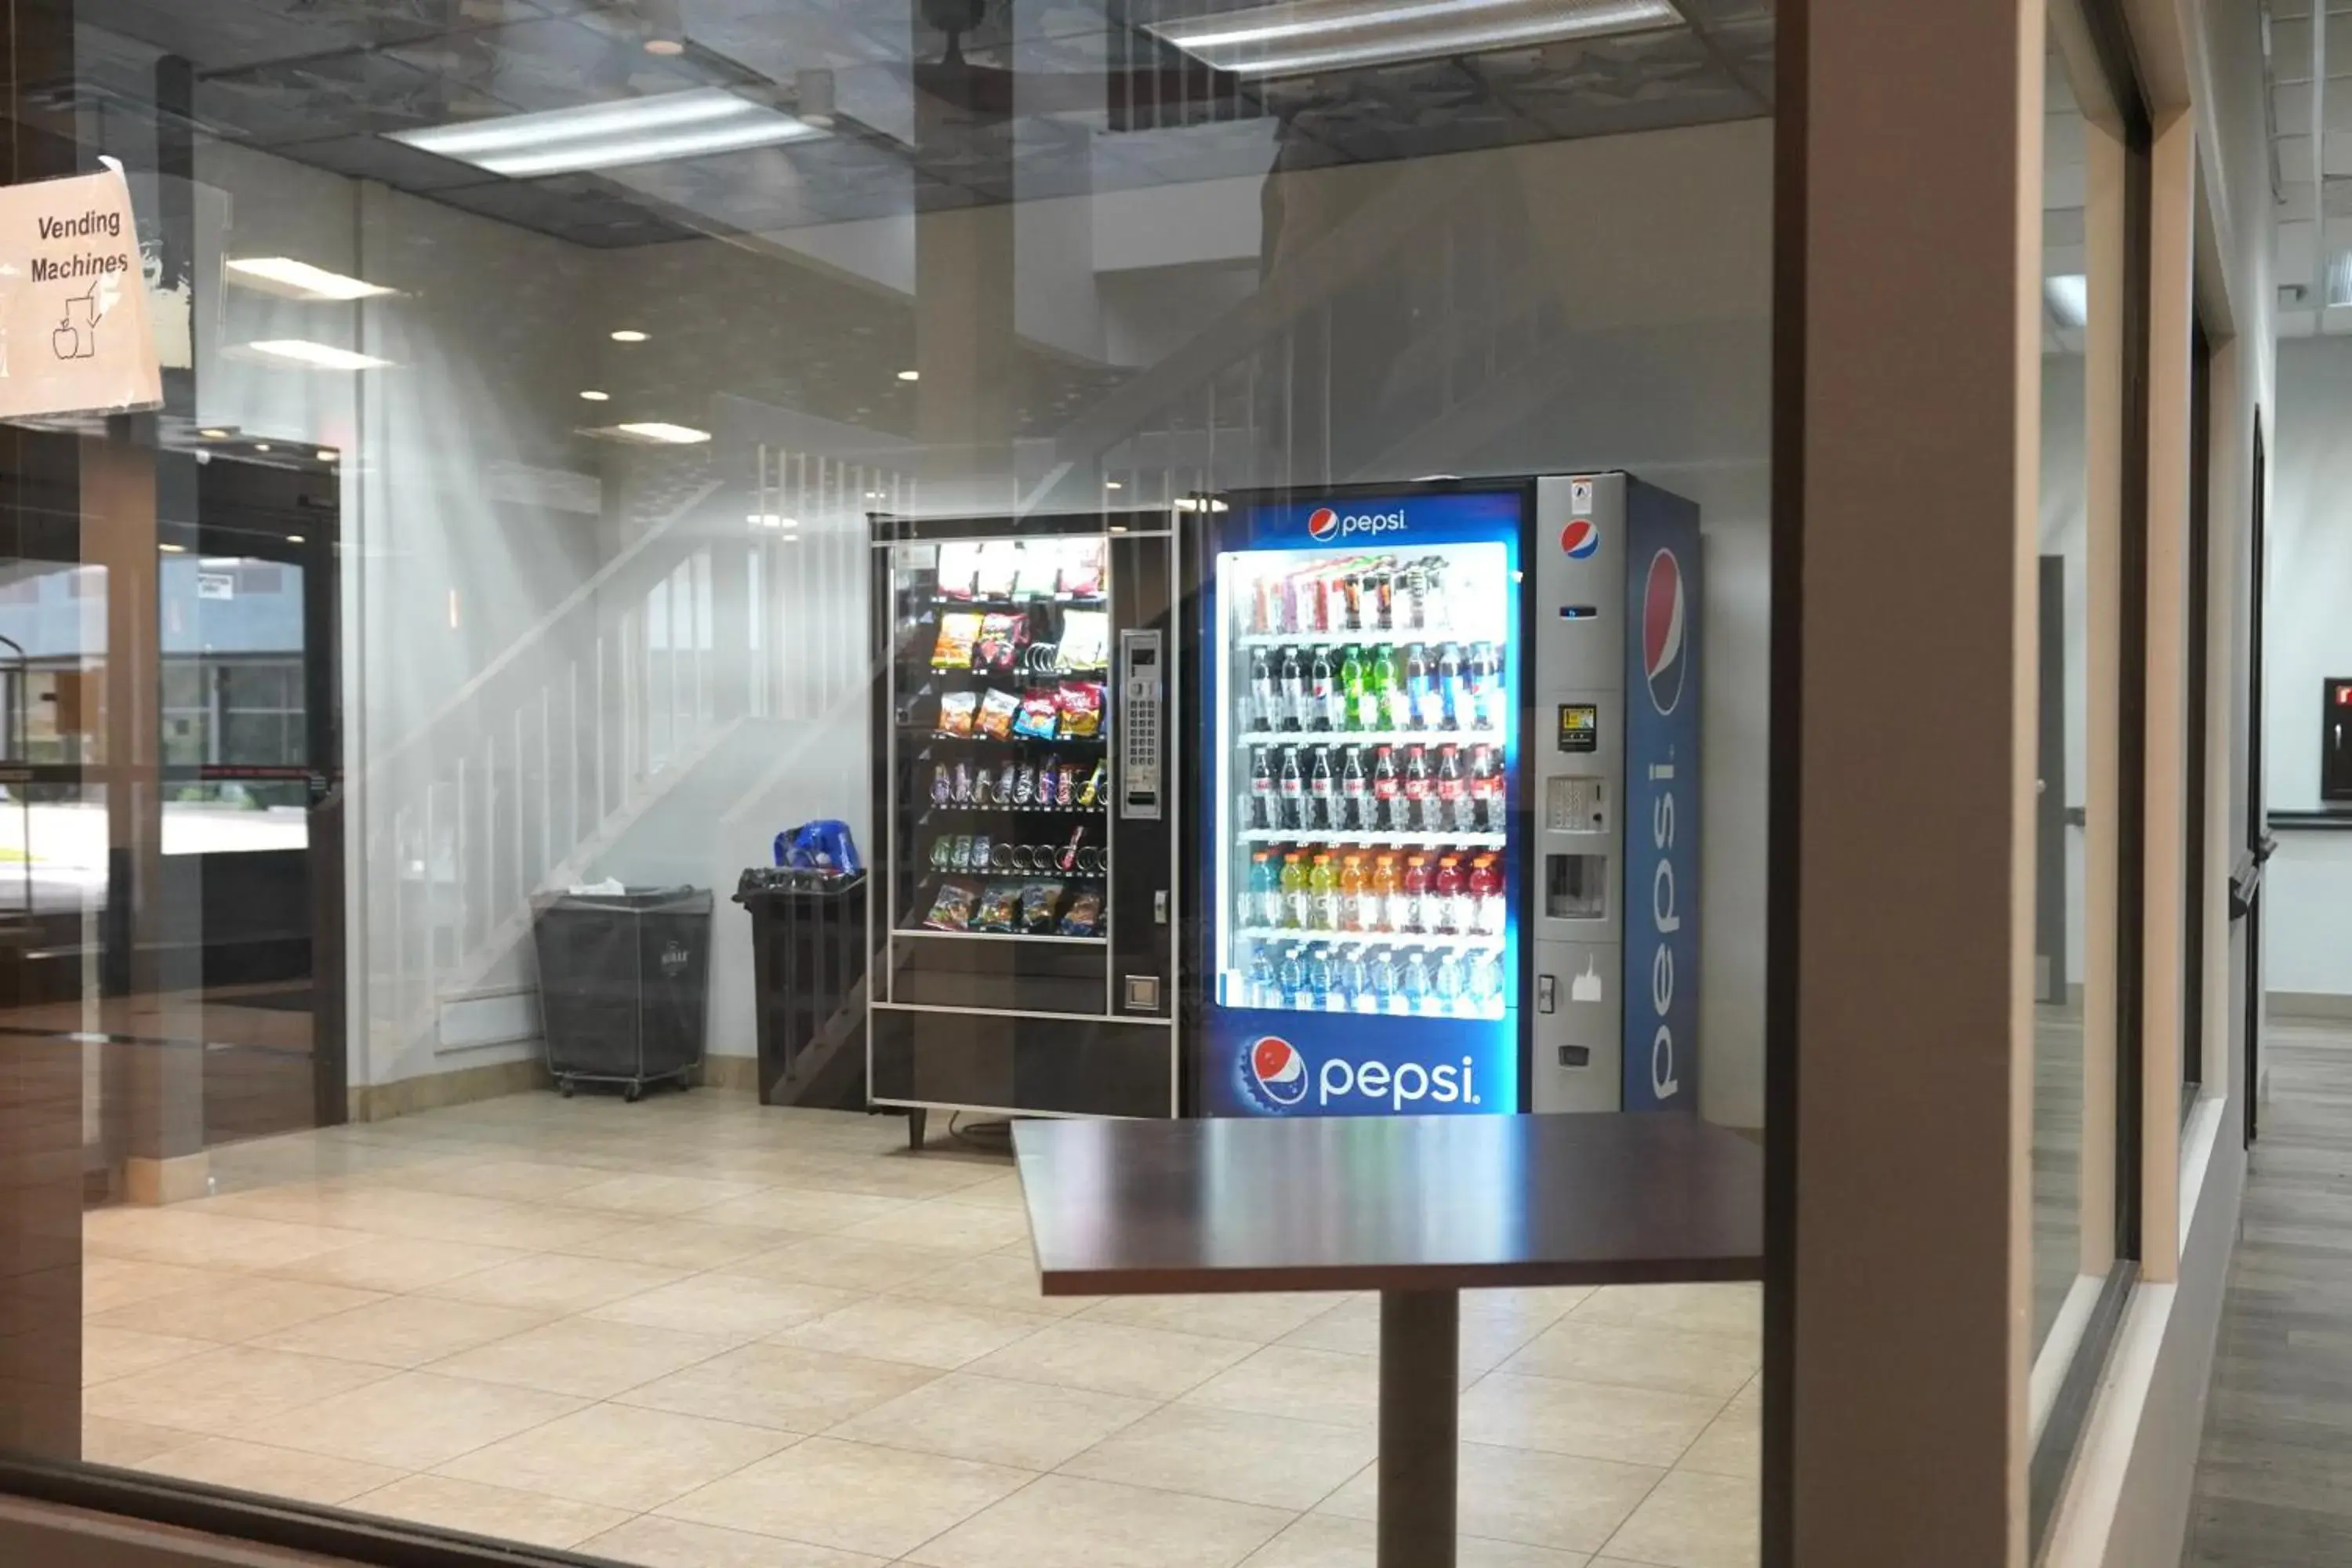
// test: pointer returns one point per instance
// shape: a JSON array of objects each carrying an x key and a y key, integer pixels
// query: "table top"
[{"x": 1121, "y": 1207}]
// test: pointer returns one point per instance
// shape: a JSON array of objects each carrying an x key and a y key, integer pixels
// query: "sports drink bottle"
[
  {"x": 1380, "y": 901},
  {"x": 1414, "y": 914},
  {"x": 1447, "y": 910},
  {"x": 1264, "y": 907},
  {"x": 1352, "y": 907},
  {"x": 1323, "y": 895},
  {"x": 1294, "y": 891},
  {"x": 1486, "y": 896}
]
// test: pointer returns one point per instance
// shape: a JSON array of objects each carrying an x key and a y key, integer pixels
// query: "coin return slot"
[{"x": 1576, "y": 886}]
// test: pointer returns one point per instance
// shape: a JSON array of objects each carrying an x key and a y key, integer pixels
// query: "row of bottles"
[
  {"x": 1442, "y": 894},
  {"x": 1375, "y": 977},
  {"x": 1376, "y": 789},
  {"x": 1326, "y": 689}
]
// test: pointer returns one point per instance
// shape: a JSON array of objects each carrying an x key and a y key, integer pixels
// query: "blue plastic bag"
[{"x": 823, "y": 845}]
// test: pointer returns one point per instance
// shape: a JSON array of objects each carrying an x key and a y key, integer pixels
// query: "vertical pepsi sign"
[
  {"x": 1662, "y": 789},
  {"x": 1356, "y": 808}
]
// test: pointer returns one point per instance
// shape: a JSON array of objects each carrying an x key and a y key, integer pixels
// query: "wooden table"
[{"x": 1419, "y": 1208}]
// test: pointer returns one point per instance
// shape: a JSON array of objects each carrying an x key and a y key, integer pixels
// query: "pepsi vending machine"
[{"x": 1408, "y": 840}]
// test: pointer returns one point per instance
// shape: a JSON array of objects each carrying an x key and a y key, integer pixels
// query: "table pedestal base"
[{"x": 1420, "y": 1335}]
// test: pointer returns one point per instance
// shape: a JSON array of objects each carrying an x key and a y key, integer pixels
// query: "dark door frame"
[{"x": 2246, "y": 889}]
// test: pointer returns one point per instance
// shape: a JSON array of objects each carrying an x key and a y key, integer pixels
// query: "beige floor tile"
[
  {"x": 643, "y": 1195},
  {"x": 1324, "y": 1541},
  {"x": 1064, "y": 1521},
  {"x": 585, "y": 1356},
  {"x": 111, "y": 1282},
  {"x": 1596, "y": 1421},
  {"x": 405, "y": 1331},
  {"x": 777, "y": 1387},
  {"x": 556, "y": 1283},
  {"x": 397, "y": 1264},
  {"x": 729, "y": 1304},
  {"x": 653, "y": 1541},
  {"x": 232, "y": 1313},
  {"x": 413, "y": 1420},
  {"x": 619, "y": 1456},
  {"x": 676, "y": 1244},
  {"x": 963, "y": 1229},
  {"x": 994, "y": 1281},
  {"x": 537, "y": 1227},
  {"x": 1027, "y": 1425},
  {"x": 492, "y": 1511},
  {"x": 1353, "y": 1328},
  {"x": 800, "y": 1210},
  {"x": 1110, "y": 1358},
  {"x": 1693, "y": 1520},
  {"x": 885, "y": 1502},
  {"x": 1535, "y": 1499},
  {"x": 372, "y": 1209},
  {"x": 927, "y": 1334},
  {"x": 1696, "y": 1309},
  {"x": 118, "y": 1352},
  {"x": 1303, "y": 1384},
  {"x": 1259, "y": 1319},
  {"x": 900, "y": 1174},
  {"x": 836, "y": 1261},
  {"x": 206, "y": 1240},
  {"x": 126, "y": 1443},
  {"x": 271, "y": 1472},
  {"x": 527, "y": 1181},
  {"x": 1262, "y": 1459},
  {"x": 225, "y": 1391},
  {"x": 1590, "y": 1351},
  {"x": 1732, "y": 1446},
  {"x": 1001, "y": 1191}
]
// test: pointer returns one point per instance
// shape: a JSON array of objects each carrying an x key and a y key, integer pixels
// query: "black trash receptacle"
[
  {"x": 808, "y": 962},
  {"x": 623, "y": 985}
]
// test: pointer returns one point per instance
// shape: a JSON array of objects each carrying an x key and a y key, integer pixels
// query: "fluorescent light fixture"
[
  {"x": 772, "y": 520},
  {"x": 628, "y": 335},
  {"x": 667, "y": 46},
  {"x": 1113, "y": 485},
  {"x": 296, "y": 539},
  {"x": 592, "y": 396},
  {"x": 261, "y": 446},
  {"x": 1198, "y": 503},
  {"x": 649, "y": 129},
  {"x": 317, "y": 356},
  {"x": 910, "y": 375},
  {"x": 173, "y": 549},
  {"x": 299, "y": 279},
  {"x": 2068, "y": 296},
  {"x": 1302, "y": 35},
  {"x": 662, "y": 434},
  {"x": 2340, "y": 278},
  {"x": 214, "y": 435},
  {"x": 328, "y": 454}
]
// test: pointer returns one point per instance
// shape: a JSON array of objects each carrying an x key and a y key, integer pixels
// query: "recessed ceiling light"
[
  {"x": 628, "y": 335},
  {"x": 1302, "y": 35},
  {"x": 648, "y": 130},
  {"x": 661, "y": 432},
  {"x": 299, "y": 279},
  {"x": 328, "y": 454},
  {"x": 296, "y": 539},
  {"x": 214, "y": 435},
  {"x": 592, "y": 396},
  {"x": 173, "y": 549},
  {"x": 772, "y": 520},
  {"x": 261, "y": 446},
  {"x": 2068, "y": 296},
  {"x": 665, "y": 47},
  {"x": 910, "y": 375},
  {"x": 316, "y": 356},
  {"x": 1113, "y": 485}
]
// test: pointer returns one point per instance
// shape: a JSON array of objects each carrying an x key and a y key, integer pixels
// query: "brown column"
[{"x": 1906, "y": 407}]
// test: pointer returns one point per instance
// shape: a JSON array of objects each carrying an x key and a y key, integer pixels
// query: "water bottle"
[
  {"x": 1446, "y": 986},
  {"x": 1318, "y": 978},
  {"x": 1290, "y": 978},
  {"x": 1264, "y": 990},
  {"x": 1486, "y": 985},
  {"x": 1355, "y": 982},
  {"x": 1379, "y": 982},
  {"x": 1412, "y": 984}
]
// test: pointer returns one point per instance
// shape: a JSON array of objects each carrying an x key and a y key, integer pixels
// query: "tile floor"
[{"x": 694, "y": 1334}]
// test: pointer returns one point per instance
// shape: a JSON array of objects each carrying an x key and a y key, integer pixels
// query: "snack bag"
[
  {"x": 1040, "y": 565},
  {"x": 1086, "y": 640},
  {"x": 959, "y": 632},
  {"x": 1000, "y": 563},
  {"x": 956, "y": 711},
  {"x": 1082, "y": 705},
  {"x": 999, "y": 907},
  {"x": 1001, "y": 636},
  {"x": 1039, "y": 717},
  {"x": 1038, "y": 900},
  {"x": 951, "y": 911},
  {"x": 1084, "y": 916},
  {"x": 996, "y": 711},
  {"x": 1082, "y": 568},
  {"x": 959, "y": 565}
]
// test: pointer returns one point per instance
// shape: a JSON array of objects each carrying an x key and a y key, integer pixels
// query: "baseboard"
[
  {"x": 178, "y": 1180},
  {"x": 435, "y": 1091},
  {"x": 741, "y": 1073},
  {"x": 2335, "y": 1007}
]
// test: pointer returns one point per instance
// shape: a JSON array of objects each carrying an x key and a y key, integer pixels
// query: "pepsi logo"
[
  {"x": 1322, "y": 524},
  {"x": 1277, "y": 1071},
  {"x": 1665, "y": 635},
  {"x": 1580, "y": 539}
]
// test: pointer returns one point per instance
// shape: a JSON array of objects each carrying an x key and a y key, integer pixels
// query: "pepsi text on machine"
[
  {"x": 1276, "y": 1075},
  {"x": 1662, "y": 732}
]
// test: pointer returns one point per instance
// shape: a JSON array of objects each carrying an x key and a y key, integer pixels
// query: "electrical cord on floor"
[{"x": 993, "y": 1133}]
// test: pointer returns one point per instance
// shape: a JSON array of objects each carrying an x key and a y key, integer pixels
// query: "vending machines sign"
[{"x": 74, "y": 332}]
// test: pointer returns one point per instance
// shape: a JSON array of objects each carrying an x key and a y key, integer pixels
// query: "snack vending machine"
[
  {"x": 1450, "y": 736},
  {"x": 1023, "y": 955}
]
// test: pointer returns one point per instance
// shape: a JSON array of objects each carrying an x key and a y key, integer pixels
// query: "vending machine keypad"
[{"x": 1142, "y": 688}]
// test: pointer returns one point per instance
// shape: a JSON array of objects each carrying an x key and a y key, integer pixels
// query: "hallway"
[{"x": 2271, "y": 1488}]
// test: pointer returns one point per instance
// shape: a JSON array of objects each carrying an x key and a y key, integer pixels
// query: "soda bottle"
[
  {"x": 1485, "y": 674},
  {"x": 1290, "y": 977},
  {"x": 1381, "y": 905},
  {"x": 1453, "y": 690},
  {"x": 1413, "y": 912},
  {"x": 1318, "y": 977},
  {"x": 1322, "y": 689},
  {"x": 1417, "y": 799},
  {"x": 1293, "y": 796},
  {"x": 1307, "y": 593},
  {"x": 1437, "y": 611},
  {"x": 1294, "y": 898},
  {"x": 1293, "y": 690},
  {"x": 1386, "y": 801},
  {"x": 1413, "y": 604},
  {"x": 1412, "y": 982},
  {"x": 1358, "y": 711},
  {"x": 1354, "y": 789},
  {"x": 1323, "y": 896},
  {"x": 1453, "y": 791},
  {"x": 1261, "y": 616},
  {"x": 1448, "y": 897},
  {"x": 1321, "y": 802},
  {"x": 1486, "y": 896},
  {"x": 1486, "y": 804},
  {"x": 1446, "y": 983},
  {"x": 1264, "y": 906},
  {"x": 1381, "y": 980},
  {"x": 1265, "y": 705},
  {"x": 1261, "y": 790},
  {"x": 1350, "y": 618},
  {"x": 1379, "y": 589},
  {"x": 1396, "y": 704},
  {"x": 1352, "y": 908},
  {"x": 1264, "y": 989},
  {"x": 1420, "y": 694}
]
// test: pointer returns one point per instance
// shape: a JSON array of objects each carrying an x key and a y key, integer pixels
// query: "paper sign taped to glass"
[{"x": 74, "y": 332}]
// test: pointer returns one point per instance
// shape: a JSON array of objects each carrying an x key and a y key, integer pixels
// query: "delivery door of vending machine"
[
  {"x": 1024, "y": 935},
  {"x": 1356, "y": 861}
]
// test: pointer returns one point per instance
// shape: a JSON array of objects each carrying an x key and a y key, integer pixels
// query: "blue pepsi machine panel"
[
  {"x": 1662, "y": 670},
  {"x": 1358, "y": 884}
]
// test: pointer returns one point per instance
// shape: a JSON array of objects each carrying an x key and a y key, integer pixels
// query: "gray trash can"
[{"x": 623, "y": 985}]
